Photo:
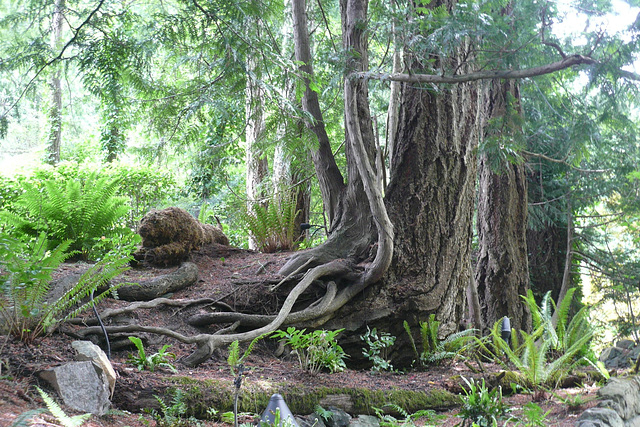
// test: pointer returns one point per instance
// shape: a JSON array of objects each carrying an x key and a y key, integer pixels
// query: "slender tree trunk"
[
  {"x": 502, "y": 273},
  {"x": 55, "y": 110},
  {"x": 351, "y": 230},
  {"x": 256, "y": 162}
]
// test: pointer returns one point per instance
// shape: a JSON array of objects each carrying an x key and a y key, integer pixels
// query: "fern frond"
[
  {"x": 59, "y": 414},
  {"x": 24, "y": 419}
]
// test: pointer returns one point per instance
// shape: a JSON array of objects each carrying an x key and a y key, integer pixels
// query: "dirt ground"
[{"x": 238, "y": 279}]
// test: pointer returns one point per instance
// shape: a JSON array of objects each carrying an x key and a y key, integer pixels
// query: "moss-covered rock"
[{"x": 169, "y": 235}]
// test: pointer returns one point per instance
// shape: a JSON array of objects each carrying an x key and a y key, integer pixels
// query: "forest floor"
[{"x": 231, "y": 275}]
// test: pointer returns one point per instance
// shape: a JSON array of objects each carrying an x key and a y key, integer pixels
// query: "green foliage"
[
  {"x": 278, "y": 421},
  {"x": 236, "y": 363},
  {"x": 173, "y": 414},
  {"x": 532, "y": 416},
  {"x": 153, "y": 361},
  {"x": 59, "y": 414},
  {"x": 435, "y": 350},
  {"x": 567, "y": 332},
  {"x": 26, "y": 310},
  {"x": 379, "y": 345},
  {"x": 234, "y": 359},
  {"x": 480, "y": 405},
  {"x": 272, "y": 227},
  {"x": 533, "y": 357},
  {"x": 316, "y": 350},
  {"x": 145, "y": 187},
  {"x": 80, "y": 211},
  {"x": 386, "y": 420}
]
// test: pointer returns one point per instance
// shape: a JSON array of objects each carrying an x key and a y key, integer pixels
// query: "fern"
[
  {"x": 59, "y": 414},
  {"x": 80, "y": 211},
  {"x": 435, "y": 350},
  {"x": 272, "y": 227},
  {"x": 24, "y": 309},
  {"x": 24, "y": 419}
]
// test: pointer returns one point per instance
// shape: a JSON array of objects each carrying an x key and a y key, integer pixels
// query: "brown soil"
[{"x": 239, "y": 279}]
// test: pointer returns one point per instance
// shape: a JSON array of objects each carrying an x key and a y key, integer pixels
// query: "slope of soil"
[{"x": 236, "y": 280}]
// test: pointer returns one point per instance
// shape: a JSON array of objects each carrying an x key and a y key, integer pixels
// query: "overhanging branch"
[{"x": 565, "y": 63}]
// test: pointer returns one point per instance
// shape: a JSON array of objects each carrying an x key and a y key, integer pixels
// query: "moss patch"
[{"x": 200, "y": 395}]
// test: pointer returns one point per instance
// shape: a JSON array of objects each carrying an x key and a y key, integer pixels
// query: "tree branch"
[
  {"x": 567, "y": 62},
  {"x": 56, "y": 58}
]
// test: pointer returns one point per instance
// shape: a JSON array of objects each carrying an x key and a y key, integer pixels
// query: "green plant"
[
  {"x": 153, "y": 361},
  {"x": 533, "y": 359},
  {"x": 236, "y": 363},
  {"x": 272, "y": 225},
  {"x": 278, "y": 421},
  {"x": 563, "y": 333},
  {"x": 26, "y": 308},
  {"x": 434, "y": 350},
  {"x": 480, "y": 405},
  {"x": 532, "y": 416},
  {"x": 378, "y": 351},
  {"x": 386, "y": 420},
  {"x": 574, "y": 402},
  {"x": 173, "y": 414},
  {"x": 61, "y": 417},
  {"x": 316, "y": 350},
  {"x": 79, "y": 211}
]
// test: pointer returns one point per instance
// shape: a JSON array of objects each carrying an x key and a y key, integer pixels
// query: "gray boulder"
[
  {"x": 600, "y": 417},
  {"x": 81, "y": 386},
  {"x": 86, "y": 350}
]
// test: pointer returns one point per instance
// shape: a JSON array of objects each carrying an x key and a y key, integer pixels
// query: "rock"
[
  {"x": 339, "y": 418},
  {"x": 599, "y": 417},
  {"x": 365, "y": 421},
  {"x": 81, "y": 386},
  {"x": 89, "y": 351},
  {"x": 342, "y": 401},
  {"x": 615, "y": 357},
  {"x": 621, "y": 396},
  {"x": 625, "y": 344}
]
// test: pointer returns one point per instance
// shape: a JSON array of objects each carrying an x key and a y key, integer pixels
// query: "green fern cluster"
[
  {"x": 79, "y": 211},
  {"x": 272, "y": 227},
  {"x": 434, "y": 349},
  {"x": 26, "y": 309},
  {"x": 546, "y": 355}
]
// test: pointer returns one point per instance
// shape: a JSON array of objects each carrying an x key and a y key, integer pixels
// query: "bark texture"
[
  {"x": 502, "y": 272},
  {"x": 430, "y": 199},
  {"x": 55, "y": 110}
]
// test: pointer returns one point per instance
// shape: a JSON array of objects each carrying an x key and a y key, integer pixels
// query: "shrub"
[{"x": 316, "y": 350}]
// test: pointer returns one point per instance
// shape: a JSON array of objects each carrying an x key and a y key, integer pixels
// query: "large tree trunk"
[{"x": 502, "y": 273}]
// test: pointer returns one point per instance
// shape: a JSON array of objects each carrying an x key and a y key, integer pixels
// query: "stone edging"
[{"x": 619, "y": 405}]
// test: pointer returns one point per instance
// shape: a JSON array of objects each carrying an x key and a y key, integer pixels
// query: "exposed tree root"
[
  {"x": 184, "y": 276},
  {"x": 208, "y": 343}
]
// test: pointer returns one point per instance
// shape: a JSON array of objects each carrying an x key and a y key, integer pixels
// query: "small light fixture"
[
  {"x": 277, "y": 403},
  {"x": 505, "y": 332}
]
